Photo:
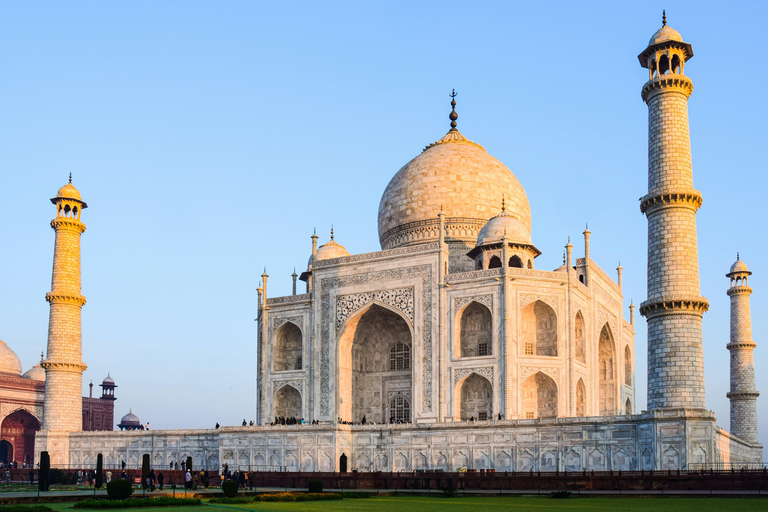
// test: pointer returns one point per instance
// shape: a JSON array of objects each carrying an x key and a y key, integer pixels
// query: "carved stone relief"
[
  {"x": 527, "y": 371},
  {"x": 278, "y": 322},
  {"x": 460, "y": 302},
  {"x": 604, "y": 316},
  {"x": 526, "y": 299},
  {"x": 460, "y": 373},
  {"x": 399, "y": 298}
]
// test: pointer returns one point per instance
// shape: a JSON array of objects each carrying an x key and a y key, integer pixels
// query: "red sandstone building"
[{"x": 21, "y": 407}]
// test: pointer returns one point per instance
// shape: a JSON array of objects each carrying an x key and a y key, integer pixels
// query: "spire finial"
[
  {"x": 331, "y": 231},
  {"x": 737, "y": 256},
  {"x": 453, "y": 115},
  {"x": 70, "y": 178},
  {"x": 41, "y": 356},
  {"x": 664, "y": 17},
  {"x": 503, "y": 204}
]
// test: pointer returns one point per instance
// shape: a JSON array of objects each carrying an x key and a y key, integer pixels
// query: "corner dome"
[
  {"x": 329, "y": 251},
  {"x": 458, "y": 176},
  {"x": 665, "y": 34},
  {"x": 739, "y": 267},
  {"x": 9, "y": 361},
  {"x": 495, "y": 229},
  {"x": 108, "y": 380},
  {"x": 130, "y": 419},
  {"x": 35, "y": 373},
  {"x": 69, "y": 191}
]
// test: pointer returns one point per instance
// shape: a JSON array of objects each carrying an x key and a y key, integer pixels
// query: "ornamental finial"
[
  {"x": 664, "y": 17},
  {"x": 503, "y": 205},
  {"x": 737, "y": 256},
  {"x": 453, "y": 115},
  {"x": 70, "y": 182},
  {"x": 331, "y": 231}
]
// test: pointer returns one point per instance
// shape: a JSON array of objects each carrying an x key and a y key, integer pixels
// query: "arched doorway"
[
  {"x": 18, "y": 429},
  {"x": 6, "y": 452},
  {"x": 476, "y": 395},
  {"x": 287, "y": 402},
  {"x": 606, "y": 367},
  {"x": 286, "y": 354},
  {"x": 539, "y": 331},
  {"x": 375, "y": 364},
  {"x": 475, "y": 331},
  {"x": 539, "y": 397}
]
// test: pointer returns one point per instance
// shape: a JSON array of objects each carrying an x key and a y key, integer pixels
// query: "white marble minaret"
[
  {"x": 674, "y": 306},
  {"x": 743, "y": 395}
]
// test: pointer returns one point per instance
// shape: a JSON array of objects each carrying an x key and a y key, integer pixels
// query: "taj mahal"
[{"x": 449, "y": 348}]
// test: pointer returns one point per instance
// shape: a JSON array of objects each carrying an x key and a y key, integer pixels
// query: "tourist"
[
  {"x": 244, "y": 423},
  {"x": 31, "y": 477},
  {"x": 187, "y": 479},
  {"x": 109, "y": 476},
  {"x": 152, "y": 478},
  {"x": 217, "y": 423},
  {"x": 250, "y": 479},
  {"x": 241, "y": 479},
  {"x": 160, "y": 479},
  {"x": 122, "y": 462}
]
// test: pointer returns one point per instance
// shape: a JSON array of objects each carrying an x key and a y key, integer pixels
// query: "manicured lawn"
[{"x": 535, "y": 504}]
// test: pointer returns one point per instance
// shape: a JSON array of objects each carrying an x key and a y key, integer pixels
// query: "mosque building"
[{"x": 448, "y": 347}]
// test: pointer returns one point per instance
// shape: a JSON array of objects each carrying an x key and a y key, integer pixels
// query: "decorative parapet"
[
  {"x": 665, "y": 82},
  {"x": 739, "y": 290},
  {"x": 672, "y": 305},
  {"x": 741, "y": 344},
  {"x": 63, "y": 365},
  {"x": 388, "y": 253},
  {"x": 746, "y": 395},
  {"x": 289, "y": 299},
  {"x": 464, "y": 229},
  {"x": 658, "y": 199},
  {"x": 494, "y": 273},
  {"x": 68, "y": 223}
]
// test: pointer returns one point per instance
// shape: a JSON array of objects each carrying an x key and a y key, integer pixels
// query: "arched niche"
[
  {"x": 627, "y": 366},
  {"x": 539, "y": 332},
  {"x": 475, "y": 398},
  {"x": 494, "y": 262},
  {"x": 366, "y": 375},
  {"x": 539, "y": 397},
  {"x": 287, "y": 402},
  {"x": 18, "y": 429},
  {"x": 475, "y": 331},
  {"x": 607, "y": 372},
  {"x": 286, "y": 352},
  {"x": 580, "y": 351},
  {"x": 628, "y": 406},
  {"x": 581, "y": 398},
  {"x": 515, "y": 261}
]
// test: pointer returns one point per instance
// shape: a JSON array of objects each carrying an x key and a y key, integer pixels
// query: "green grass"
[{"x": 490, "y": 504}]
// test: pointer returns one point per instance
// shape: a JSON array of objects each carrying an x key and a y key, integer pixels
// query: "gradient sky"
[{"x": 210, "y": 138}]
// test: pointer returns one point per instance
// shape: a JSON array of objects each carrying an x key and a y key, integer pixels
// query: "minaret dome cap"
[
  {"x": 665, "y": 34},
  {"x": 739, "y": 268}
]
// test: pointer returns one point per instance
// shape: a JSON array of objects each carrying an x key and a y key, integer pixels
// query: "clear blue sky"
[{"x": 209, "y": 138}]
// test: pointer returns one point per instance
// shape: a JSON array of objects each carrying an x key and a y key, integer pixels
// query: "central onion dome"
[
  {"x": 458, "y": 176},
  {"x": 9, "y": 361}
]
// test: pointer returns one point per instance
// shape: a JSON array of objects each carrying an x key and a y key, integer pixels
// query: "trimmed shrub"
[
  {"x": 560, "y": 495},
  {"x": 44, "y": 475},
  {"x": 230, "y": 488},
  {"x": 119, "y": 489},
  {"x": 24, "y": 508},
  {"x": 99, "y": 471},
  {"x": 164, "y": 501},
  {"x": 144, "y": 470},
  {"x": 315, "y": 485}
]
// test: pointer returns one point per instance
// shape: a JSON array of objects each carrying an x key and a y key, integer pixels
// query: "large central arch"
[
  {"x": 18, "y": 431},
  {"x": 375, "y": 367}
]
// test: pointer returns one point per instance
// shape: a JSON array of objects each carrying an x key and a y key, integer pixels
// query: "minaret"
[
  {"x": 743, "y": 395},
  {"x": 64, "y": 366},
  {"x": 674, "y": 307}
]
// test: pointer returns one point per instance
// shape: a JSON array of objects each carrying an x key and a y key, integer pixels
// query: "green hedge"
[
  {"x": 24, "y": 508},
  {"x": 297, "y": 496},
  {"x": 138, "y": 503},
  {"x": 230, "y": 487}
]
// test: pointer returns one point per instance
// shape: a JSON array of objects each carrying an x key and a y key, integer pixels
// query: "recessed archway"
[
  {"x": 286, "y": 354},
  {"x": 375, "y": 361},
  {"x": 18, "y": 429},
  {"x": 539, "y": 333},
  {"x": 475, "y": 331},
  {"x": 581, "y": 398},
  {"x": 287, "y": 403},
  {"x": 6, "y": 452},
  {"x": 607, "y": 372},
  {"x": 475, "y": 395},
  {"x": 581, "y": 340},
  {"x": 539, "y": 397}
]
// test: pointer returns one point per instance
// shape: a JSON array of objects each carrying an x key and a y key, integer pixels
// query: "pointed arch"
[
  {"x": 627, "y": 366},
  {"x": 494, "y": 262},
  {"x": 628, "y": 406},
  {"x": 287, "y": 402},
  {"x": 539, "y": 397},
  {"x": 286, "y": 354},
  {"x": 580, "y": 351},
  {"x": 607, "y": 372},
  {"x": 581, "y": 398},
  {"x": 365, "y": 374},
  {"x": 515, "y": 261},
  {"x": 475, "y": 326},
  {"x": 474, "y": 398},
  {"x": 539, "y": 332}
]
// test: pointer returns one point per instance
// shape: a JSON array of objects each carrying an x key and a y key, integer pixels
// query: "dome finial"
[
  {"x": 70, "y": 178},
  {"x": 664, "y": 17},
  {"x": 453, "y": 115},
  {"x": 503, "y": 205},
  {"x": 737, "y": 256},
  {"x": 331, "y": 231}
]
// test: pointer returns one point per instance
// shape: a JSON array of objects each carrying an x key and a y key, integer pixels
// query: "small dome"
[
  {"x": 739, "y": 266},
  {"x": 665, "y": 34},
  {"x": 108, "y": 380},
  {"x": 329, "y": 251},
  {"x": 130, "y": 419},
  {"x": 69, "y": 191},
  {"x": 494, "y": 229},
  {"x": 35, "y": 373},
  {"x": 9, "y": 361}
]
